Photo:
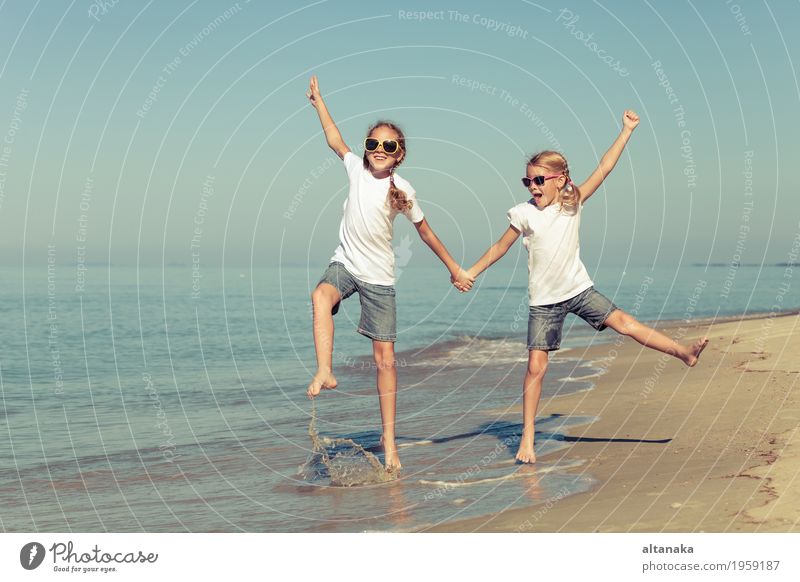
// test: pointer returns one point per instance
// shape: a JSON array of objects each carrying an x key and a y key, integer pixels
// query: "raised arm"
[
  {"x": 332, "y": 135},
  {"x": 495, "y": 252},
  {"x": 457, "y": 275},
  {"x": 629, "y": 122}
]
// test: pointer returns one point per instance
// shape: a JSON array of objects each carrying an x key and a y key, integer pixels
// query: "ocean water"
[{"x": 153, "y": 400}]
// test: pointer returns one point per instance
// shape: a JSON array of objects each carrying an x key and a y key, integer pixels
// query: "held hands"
[
  {"x": 629, "y": 119},
  {"x": 462, "y": 280},
  {"x": 313, "y": 93}
]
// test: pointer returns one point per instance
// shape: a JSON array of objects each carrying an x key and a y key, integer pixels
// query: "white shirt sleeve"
[
  {"x": 415, "y": 214},
  {"x": 352, "y": 163},
  {"x": 515, "y": 218}
]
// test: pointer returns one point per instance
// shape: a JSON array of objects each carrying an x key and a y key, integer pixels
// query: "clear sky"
[{"x": 144, "y": 132}]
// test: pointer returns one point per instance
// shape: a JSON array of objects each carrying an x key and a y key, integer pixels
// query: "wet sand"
[{"x": 715, "y": 448}]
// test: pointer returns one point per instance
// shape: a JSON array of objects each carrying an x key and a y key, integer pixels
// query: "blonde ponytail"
[{"x": 397, "y": 198}]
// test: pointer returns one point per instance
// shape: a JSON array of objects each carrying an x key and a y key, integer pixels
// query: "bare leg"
[
  {"x": 387, "y": 396},
  {"x": 531, "y": 393},
  {"x": 626, "y": 324},
  {"x": 324, "y": 297}
]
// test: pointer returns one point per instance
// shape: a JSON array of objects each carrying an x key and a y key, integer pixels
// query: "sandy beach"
[{"x": 715, "y": 448}]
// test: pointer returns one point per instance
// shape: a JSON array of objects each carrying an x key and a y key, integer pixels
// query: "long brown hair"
[
  {"x": 397, "y": 198},
  {"x": 557, "y": 164}
]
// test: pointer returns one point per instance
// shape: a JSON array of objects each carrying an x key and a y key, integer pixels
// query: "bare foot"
[
  {"x": 525, "y": 453},
  {"x": 321, "y": 381},
  {"x": 390, "y": 458},
  {"x": 694, "y": 351}
]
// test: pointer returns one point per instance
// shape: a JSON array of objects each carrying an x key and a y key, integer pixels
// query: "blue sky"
[{"x": 143, "y": 132}]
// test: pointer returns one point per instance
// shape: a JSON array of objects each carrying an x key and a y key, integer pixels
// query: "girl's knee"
[
  {"x": 383, "y": 353},
  {"x": 621, "y": 322},
  {"x": 321, "y": 297},
  {"x": 537, "y": 370},
  {"x": 537, "y": 365},
  {"x": 385, "y": 361}
]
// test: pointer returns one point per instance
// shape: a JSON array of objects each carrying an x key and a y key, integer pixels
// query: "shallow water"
[{"x": 135, "y": 406}]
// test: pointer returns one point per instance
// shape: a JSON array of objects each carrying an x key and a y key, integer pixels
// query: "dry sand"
[{"x": 732, "y": 460}]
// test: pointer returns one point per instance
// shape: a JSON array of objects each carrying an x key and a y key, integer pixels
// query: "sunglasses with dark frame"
[{"x": 538, "y": 180}]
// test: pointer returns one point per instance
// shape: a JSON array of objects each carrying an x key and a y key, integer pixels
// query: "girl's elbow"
[
  {"x": 501, "y": 252},
  {"x": 606, "y": 167},
  {"x": 494, "y": 254},
  {"x": 340, "y": 149}
]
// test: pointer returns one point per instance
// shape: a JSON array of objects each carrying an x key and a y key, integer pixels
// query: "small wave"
[
  {"x": 578, "y": 378},
  {"x": 474, "y": 352},
  {"x": 596, "y": 373},
  {"x": 539, "y": 470},
  {"x": 415, "y": 443},
  {"x": 602, "y": 362}
]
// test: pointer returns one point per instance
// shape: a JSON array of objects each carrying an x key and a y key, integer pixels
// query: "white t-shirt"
[
  {"x": 555, "y": 270},
  {"x": 365, "y": 235}
]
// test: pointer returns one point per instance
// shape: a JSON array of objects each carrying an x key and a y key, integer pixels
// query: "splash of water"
[{"x": 344, "y": 462}]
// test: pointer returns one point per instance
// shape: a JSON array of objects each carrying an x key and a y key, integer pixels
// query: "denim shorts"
[
  {"x": 545, "y": 322},
  {"x": 378, "y": 309}
]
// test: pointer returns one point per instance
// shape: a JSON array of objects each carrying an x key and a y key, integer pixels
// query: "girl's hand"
[
  {"x": 313, "y": 93},
  {"x": 630, "y": 119},
  {"x": 462, "y": 281}
]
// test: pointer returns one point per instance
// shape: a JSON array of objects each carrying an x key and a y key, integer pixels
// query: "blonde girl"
[
  {"x": 558, "y": 282},
  {"x": 363, "y": 262}
]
